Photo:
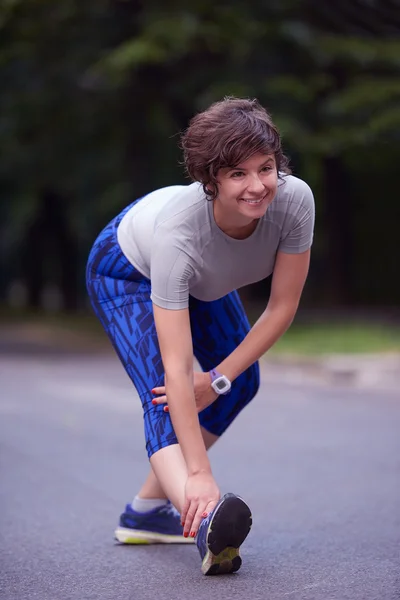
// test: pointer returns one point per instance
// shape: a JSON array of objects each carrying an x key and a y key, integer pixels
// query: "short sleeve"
[
  {"x": 298, "y": 230},
  {"x": 170, "y": 273}
]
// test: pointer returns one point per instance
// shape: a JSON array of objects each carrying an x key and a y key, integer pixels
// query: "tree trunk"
[
  {"x": 50, "y": 252},
  {"x": 339, "y": 228}
]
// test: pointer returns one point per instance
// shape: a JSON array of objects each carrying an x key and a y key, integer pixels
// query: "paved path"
[{"x": 320, "y": 468}]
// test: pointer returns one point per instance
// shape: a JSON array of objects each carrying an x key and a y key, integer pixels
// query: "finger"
[
  {"x": 166, "y": 408},
  {"x": 189, "y": 518},
  {"x": 158, "y": 390},
  {"x": 209, "y": 508},
  {"x": 198, "y": 517},
  {"x": 159, "y": 400},
  {"x": 184, "y": 512}
]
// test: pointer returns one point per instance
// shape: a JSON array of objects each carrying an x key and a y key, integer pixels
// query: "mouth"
[{"x": 250, "y": 202}]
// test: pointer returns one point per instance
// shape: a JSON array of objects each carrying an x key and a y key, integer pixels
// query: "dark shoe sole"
[{"x": 227, "y": 531}]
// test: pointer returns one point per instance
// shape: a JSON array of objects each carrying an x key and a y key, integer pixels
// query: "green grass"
[
  {"x": 301, "y": 339},
  {"x": 348, "y": 338}
]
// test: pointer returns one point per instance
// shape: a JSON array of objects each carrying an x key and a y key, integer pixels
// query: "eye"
[
  {"x": 237, "y": 174},
  {"x": 266, "y": 169}
]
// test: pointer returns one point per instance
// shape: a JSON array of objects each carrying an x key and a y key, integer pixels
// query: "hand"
[
  {"x": 201, "y": 497},
  {"x": 203, "y": 392}
]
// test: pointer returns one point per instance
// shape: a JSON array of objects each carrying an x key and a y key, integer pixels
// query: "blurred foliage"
[
  {"x": 94, "y": 94},
  {"x": 330, "y": 338}
]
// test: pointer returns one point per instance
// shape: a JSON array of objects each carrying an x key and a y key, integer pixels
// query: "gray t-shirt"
[{"x": 171, "y": 237}]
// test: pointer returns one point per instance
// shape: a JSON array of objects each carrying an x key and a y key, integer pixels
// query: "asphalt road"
[{"x": 320, "y": 468}]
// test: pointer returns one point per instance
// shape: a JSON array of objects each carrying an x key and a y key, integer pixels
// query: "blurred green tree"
[{"x": 95, "y": 93}]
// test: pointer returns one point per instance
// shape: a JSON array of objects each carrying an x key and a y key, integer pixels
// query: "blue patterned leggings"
[{"x": 120, "y": 297}]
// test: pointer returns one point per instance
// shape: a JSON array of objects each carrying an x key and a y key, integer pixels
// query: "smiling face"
[{"x": 246, "y": 190}]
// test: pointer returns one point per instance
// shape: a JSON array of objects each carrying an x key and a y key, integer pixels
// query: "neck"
[{"x": 236, "y": 226}]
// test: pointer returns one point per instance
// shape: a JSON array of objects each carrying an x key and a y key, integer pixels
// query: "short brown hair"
[{"x": 226, "y": 134}]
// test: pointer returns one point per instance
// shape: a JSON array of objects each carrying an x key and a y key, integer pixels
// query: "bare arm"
[
  {"x": 174, "y": 336},
  {"x": 288, "y": 280},
  {"x": 201, "y": 491}
]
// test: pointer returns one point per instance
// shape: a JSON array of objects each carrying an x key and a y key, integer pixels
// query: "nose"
[{"x": 255, "y": 185}]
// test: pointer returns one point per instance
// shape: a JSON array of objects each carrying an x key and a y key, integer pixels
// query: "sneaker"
[
  {"x": 221, "y": 534},
  {"x": 161, "y": 525}
]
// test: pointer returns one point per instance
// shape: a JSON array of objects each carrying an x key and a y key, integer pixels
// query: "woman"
[{"x": 162, "y": 278}]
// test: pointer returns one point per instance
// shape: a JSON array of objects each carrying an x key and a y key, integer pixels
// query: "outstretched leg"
[{"x": 120, "y": 297}]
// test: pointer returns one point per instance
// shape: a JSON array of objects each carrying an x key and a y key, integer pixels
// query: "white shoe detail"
[{"x": 124, "y": 535}]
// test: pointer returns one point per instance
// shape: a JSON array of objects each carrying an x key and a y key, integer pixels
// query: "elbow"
[
  {"x": 291, "y": 313},
  {"x": 286, "y": 311},
  {"x": 282, "y": 315}
]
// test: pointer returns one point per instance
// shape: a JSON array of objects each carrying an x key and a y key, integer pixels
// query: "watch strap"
[{"x": 214, "y": 374}]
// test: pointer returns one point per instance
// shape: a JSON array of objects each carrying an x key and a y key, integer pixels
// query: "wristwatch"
[{"x": 219, "y": 383}]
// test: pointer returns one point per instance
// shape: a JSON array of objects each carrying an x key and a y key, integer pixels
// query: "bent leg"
[{"x": 218, "y": 327}]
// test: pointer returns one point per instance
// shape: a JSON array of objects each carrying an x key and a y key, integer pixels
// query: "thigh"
[
  {"x": 217, "y": 329},
  {"x": 125, "y": 311},
  {"x": 120, "y": 297},
  {"x": 129, "y": 323}
]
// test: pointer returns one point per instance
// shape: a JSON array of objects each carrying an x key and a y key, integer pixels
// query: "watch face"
[{"x": 221, "y": 385}]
